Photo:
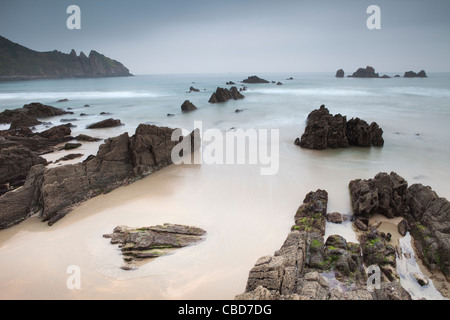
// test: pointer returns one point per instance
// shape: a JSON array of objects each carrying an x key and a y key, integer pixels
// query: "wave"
[
  {"x": 84, "y": 95},
  {"x": 422, "y": 92},
  {"x": 314, "y": 92}
]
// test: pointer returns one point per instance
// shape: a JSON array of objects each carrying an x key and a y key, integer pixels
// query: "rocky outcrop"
[
  {"x": 108, "y": 123},
  {"x": 254, "y": 80},
  {"x": 412, "y": 74},
  {"x": 324, "y": 130},
  {"x": 188, "y": 106},
  {"x": 53, "y": 192},
  {"x": 427, "y": 215},
  {"x": 15, "y": 163},
  {"x": 20, "y": 63},
  {"x": 340, "y": 73},
  {"x": 192, "y": 89},
  {"x": 223, "y": 95},
  {"x": 309, "y": 268},
  {"x": 29, "y": 114},
  {"x": 368, "y": 72},
  {"x": 152, "y": 242}
]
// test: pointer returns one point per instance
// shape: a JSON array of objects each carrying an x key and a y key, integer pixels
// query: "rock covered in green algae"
[{"x": 151, "y": 242}]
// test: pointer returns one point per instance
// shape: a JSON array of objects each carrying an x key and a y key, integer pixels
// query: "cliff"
[{"x": 20, "y": 63}]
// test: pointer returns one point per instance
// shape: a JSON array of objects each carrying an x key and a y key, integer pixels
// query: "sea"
[{"x": 246, "y": 214}]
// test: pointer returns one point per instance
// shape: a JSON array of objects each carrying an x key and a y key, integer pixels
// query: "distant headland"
[{"x": 20, "y": 63}]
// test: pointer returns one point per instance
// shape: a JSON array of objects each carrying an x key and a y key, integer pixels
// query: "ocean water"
[{"x": 246, "y": 215}]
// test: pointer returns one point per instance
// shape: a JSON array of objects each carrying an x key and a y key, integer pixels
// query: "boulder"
[
  {"x": 336, "y": 217},
  {"x": 152, "y": 242},
  {"x": 324, "y": 130},
  {"x": 368, "y": 72},
  {"x": 188, "y": 106},
  {"x": 86, "y": 138},
  {"x": 255, "y": 79},
  {"x": 412, "y": 74},
  {"x": 108, "y": 123},
  {"x": 223, "y": 95},
  {"x": 340, "y": 73},
  {"x": 192, "y": 89}
]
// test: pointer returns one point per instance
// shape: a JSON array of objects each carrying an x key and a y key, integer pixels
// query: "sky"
[{"x": 211, "y": 36}]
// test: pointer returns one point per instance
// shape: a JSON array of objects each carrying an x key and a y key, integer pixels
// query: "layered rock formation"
[
  {"x": 20, "y": 63},
  {"x": 427, "y": 215},
  {"x": 309, "y": 268},
  {"x": 223, "y": 95},
  {"x": 108, "y": 123},
  {"x": 54, "y": 192},
  {"x": 324, "y": 130},
  {"x": 152, "y": 242}
]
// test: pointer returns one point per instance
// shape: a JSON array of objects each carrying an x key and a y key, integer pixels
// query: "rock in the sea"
[
  {"x": 71, "y": 146},
  {"x": 188, "y": 106},
  {"x": 412, "y": 74},
  {"x": 223, "y": 95},
  {"x": 255, "y": 79},
  {"x": 108, "y": 123},
  {"x": 368, "y": 72},
  {"x": 152, "y": 242},
  {"x": 230, "y": 83},
  {"x": 421, "y": 279},
  {"x": 336, "y": 217},
  {"x": 69, "y": 157},
  {"x": 86, "y": 138},
  {"x": 27, "y": 116},
  {"x": 192, "y": 89},
  {"x": 340, "y": 73},
  {"x": 324, "y": 130}
]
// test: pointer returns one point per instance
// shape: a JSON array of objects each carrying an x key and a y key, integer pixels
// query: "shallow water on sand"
[{"x": 246, "y": 215}]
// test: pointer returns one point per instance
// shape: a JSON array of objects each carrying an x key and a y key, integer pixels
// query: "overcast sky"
[{"x": 210, "y": 36}]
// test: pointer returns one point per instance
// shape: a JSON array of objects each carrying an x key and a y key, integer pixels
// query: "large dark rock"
[
  {"x": 152, "y": 242},
  {"x": 301, "y": 269},
  {"x": 188, "y": 106},
  {"x": 108, "y": 123},
  {"x": 427, "y": 215},
  {"x": 324, "y": 130},
  {"x": 29, "y": 114},
  {"x": 368, "y": 72},
  {"x": 254, "y": 80},
  {"x": 119, "y": 161},
  {"x": 340, "y": 73},
  {"x": 15, "y": 163},
  {"x": 223, "y": 95},
  {"x": 412, "y": 74}
]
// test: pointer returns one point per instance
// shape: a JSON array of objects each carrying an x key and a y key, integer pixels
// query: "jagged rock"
[
  {"x": 385, "y": 194},
  {"x": 152, "y": 242},
  {"x": 192, "y": 89},
  {"x": 255, "y": 79},
  {"x": 223, "y": 95},
  {"x": 412, "y": 74},
  {"x": 230, "y": 83},
  {"x": 119, "y": 161},
  {"x": 311, "y": 214},
  {"x": 324, "y": 130},
  {"x": 188, "y": 106},
  {"x": 336, "y": 217},
  {"x": 27, "y": 116},
  {"x": 69, "y": 157},
  {"x": 368, "y": 72},
  {"x": 340, "y": 73},
  {"x": 108, "y": 123},
  {"x": 15, "y": 163}
]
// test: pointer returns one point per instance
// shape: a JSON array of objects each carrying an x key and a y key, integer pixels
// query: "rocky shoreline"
[
  {"x": 309, "y": 267},
  {"x": 29, "y": 187}
]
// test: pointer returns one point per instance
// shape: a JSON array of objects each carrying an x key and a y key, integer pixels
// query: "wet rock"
[
  {"x": 152, "y": 242},
  {"x": 279, "y": 83},
  {"x": 311, "y": 215},
  {"x": 86, "y": 138},
  {"x": 368, "y": 72},
  {"x": 230, "y": 83},
  {"x": 254, "y": 80},
  {"x": 188, "y": 106},
  {"x": 69, "y": 157},
  {"x": 336, "y": 217},
  {"x": 340, "y": 73},
  {"x": 108, "y": 123},
  {"x": 421, "y": 279},
  {"x": 361, "y": 225},
  {"x": 223, "y": 95},
  {"x": 412, "y": 74},
  {"x": 403, "y": 227},
  {"x": 71, "y": 146},
  {"x": 192, "y": 89}
]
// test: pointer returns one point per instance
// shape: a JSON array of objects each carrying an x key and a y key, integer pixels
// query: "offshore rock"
[{"x": 223, "y": 95}]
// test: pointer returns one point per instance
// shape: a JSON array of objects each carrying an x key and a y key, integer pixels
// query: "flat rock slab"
[{"x": 151, "y": 242}]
